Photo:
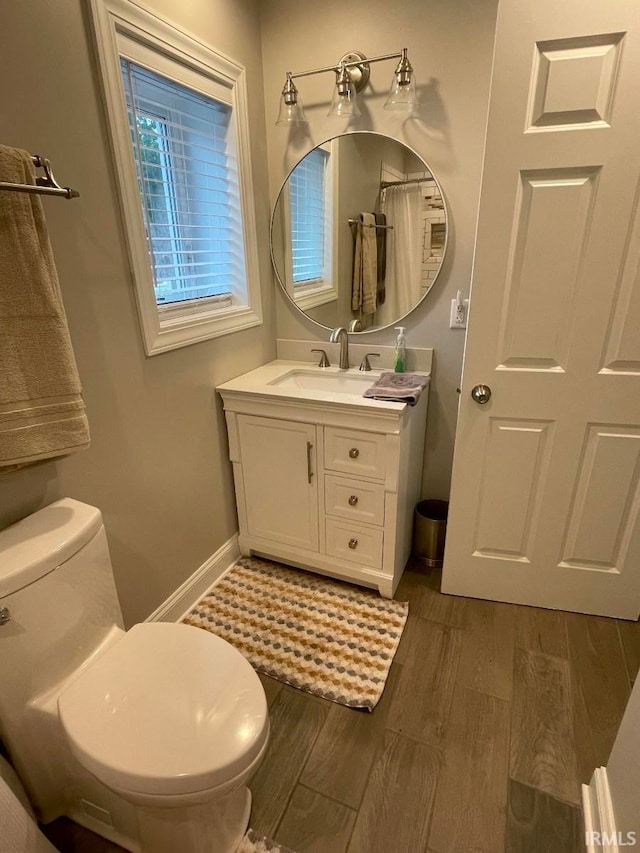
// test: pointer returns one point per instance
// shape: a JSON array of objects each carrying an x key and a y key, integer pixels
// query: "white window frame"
[
  {"x": 312, "y": 294},
  {"x": 124, "y": 28}
]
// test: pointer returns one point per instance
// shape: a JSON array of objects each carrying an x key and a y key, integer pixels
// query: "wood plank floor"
[{"x": 492, "y": 717}]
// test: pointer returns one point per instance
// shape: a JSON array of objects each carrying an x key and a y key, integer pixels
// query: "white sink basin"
[
  {"x": 328, "y": 380},
  {"x": 301, "y": 381}
]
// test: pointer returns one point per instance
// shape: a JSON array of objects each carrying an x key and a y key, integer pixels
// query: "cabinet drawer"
[
  {"x": 353, "y": 452},
  {"x": 348, "y": 541},
  {"x": 354, "y": 499}
]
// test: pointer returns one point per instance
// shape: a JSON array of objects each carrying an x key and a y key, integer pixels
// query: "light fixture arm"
[{"x": 361, "y": 61}]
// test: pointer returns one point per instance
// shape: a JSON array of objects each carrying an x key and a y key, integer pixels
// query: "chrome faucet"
[{"x": 341, "y": 337}]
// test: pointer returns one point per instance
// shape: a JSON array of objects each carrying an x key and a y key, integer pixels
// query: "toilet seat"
[{"x": 169, "y": 710}]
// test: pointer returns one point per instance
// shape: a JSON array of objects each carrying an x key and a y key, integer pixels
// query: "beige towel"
[
  {"x": 42, "y": 414},
  {"x": 356, "y": 287},
  {"x": 365, "y": 284}
]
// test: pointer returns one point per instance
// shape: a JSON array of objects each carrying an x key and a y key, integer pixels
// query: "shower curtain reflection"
[{"x": 402, "y": 206}]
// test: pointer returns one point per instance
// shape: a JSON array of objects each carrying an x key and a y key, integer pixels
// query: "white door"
[
  {"x": 278, "y": 472},
  {"x": 545, "y": 494}
]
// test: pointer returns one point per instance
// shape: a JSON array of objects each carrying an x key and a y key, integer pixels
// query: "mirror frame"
[{"x": 282, "y": 284}]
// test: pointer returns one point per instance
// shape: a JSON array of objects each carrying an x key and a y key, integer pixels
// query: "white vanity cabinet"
[{"x": 325, "y": 485}]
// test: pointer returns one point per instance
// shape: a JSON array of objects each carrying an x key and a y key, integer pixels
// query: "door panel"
[
  {"x": 508, "y": 505},
  {"x": 545, "y": 495},
  {"x": 605, "y": 508},
  {"x": 573, "y": 82},
  {"x": 622, "y": 348},
  {"x": 552, "y": 219}
]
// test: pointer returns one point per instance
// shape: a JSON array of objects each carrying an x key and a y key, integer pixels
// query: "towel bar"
[
  {"x": 355, "y": 222},
  {"x": 46, "y": 185}
]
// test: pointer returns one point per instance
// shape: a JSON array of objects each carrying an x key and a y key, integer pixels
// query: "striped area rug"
[{"x": 321, "y": 636}]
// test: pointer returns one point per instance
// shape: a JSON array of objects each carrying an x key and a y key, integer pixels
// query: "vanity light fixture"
[
  {"x": 291, "y": 109},
  {"x": 344, "y": 102},
  {"x": 352, "y": 75},
  {"x": 402, "y": 94}
]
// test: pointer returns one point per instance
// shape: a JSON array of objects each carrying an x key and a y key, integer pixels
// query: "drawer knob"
[
  {"x": 354, "y": 453},
  {"x": 353, "y": 544},
  {"x": 353, "y": 500}
]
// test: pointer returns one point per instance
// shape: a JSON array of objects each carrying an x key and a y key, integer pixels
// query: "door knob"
[{"x": 481, "y": 394}]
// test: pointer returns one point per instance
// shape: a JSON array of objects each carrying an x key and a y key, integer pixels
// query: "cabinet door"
[{"x": 280, "y": 483}]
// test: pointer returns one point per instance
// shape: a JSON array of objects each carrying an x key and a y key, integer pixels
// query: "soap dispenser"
[{"x": 401, "y": 352}]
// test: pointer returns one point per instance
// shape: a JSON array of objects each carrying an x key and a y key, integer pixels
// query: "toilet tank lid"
[{"x": 43, "y": 541}]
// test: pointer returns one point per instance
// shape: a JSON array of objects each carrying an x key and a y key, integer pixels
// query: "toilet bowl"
[
  {"x": 169, "y": 716},
  {"x": 147, "y": 737}
]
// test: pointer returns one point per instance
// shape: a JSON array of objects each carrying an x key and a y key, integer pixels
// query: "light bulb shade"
[
  {"x": 344, "y": 102},
  {"x": 291, "y": 114},
  {"x": 402, "y": 94},
  {"x": 291, "y": 111}
]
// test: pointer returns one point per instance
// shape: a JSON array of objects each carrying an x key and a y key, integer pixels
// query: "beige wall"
[
  {"x": 158, "y": 464},
  {"x": 450, "y": 45}
]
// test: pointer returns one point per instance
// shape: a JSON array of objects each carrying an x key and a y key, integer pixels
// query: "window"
[
  {"x": 308, "y": 205},
  {"x": 177, "y": 116},
  {"x": 310, "y": 226},
  {"x": 179, "y": 142}
]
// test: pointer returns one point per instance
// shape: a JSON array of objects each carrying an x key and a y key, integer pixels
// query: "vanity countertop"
[{"x": 304, "y": 381}]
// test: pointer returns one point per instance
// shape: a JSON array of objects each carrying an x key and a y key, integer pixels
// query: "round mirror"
[{"x": 359, "y": 232}]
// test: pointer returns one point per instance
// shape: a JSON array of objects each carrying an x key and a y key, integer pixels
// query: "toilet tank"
[{"x": 56, "y": 583}]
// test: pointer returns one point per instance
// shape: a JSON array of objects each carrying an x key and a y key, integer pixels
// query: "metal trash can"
[{"x": 429, "y": 530}]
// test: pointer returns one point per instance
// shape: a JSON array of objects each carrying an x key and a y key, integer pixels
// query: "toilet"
[{"x": 147, "y": 737}]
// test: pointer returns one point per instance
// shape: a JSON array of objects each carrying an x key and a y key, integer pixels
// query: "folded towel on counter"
[
  {"x": 398, "y": 387},
  {"x": 42, "y": 414}
]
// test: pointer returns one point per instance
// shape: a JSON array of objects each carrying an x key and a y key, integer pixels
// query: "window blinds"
[
  {"x": 308, "y": 214},
  {"x": 188, "y": 181}
]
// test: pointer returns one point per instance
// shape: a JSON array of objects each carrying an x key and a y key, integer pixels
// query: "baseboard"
[
  {"x": 182, "y": 600},
  {"x": 601, "y": 835}
]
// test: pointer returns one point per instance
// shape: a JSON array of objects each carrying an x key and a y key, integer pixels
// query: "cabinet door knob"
[
  {"x": 354, "y": 453},
  {"x": 353, "y": 500},
  {"x": 353, "y": 544}
]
